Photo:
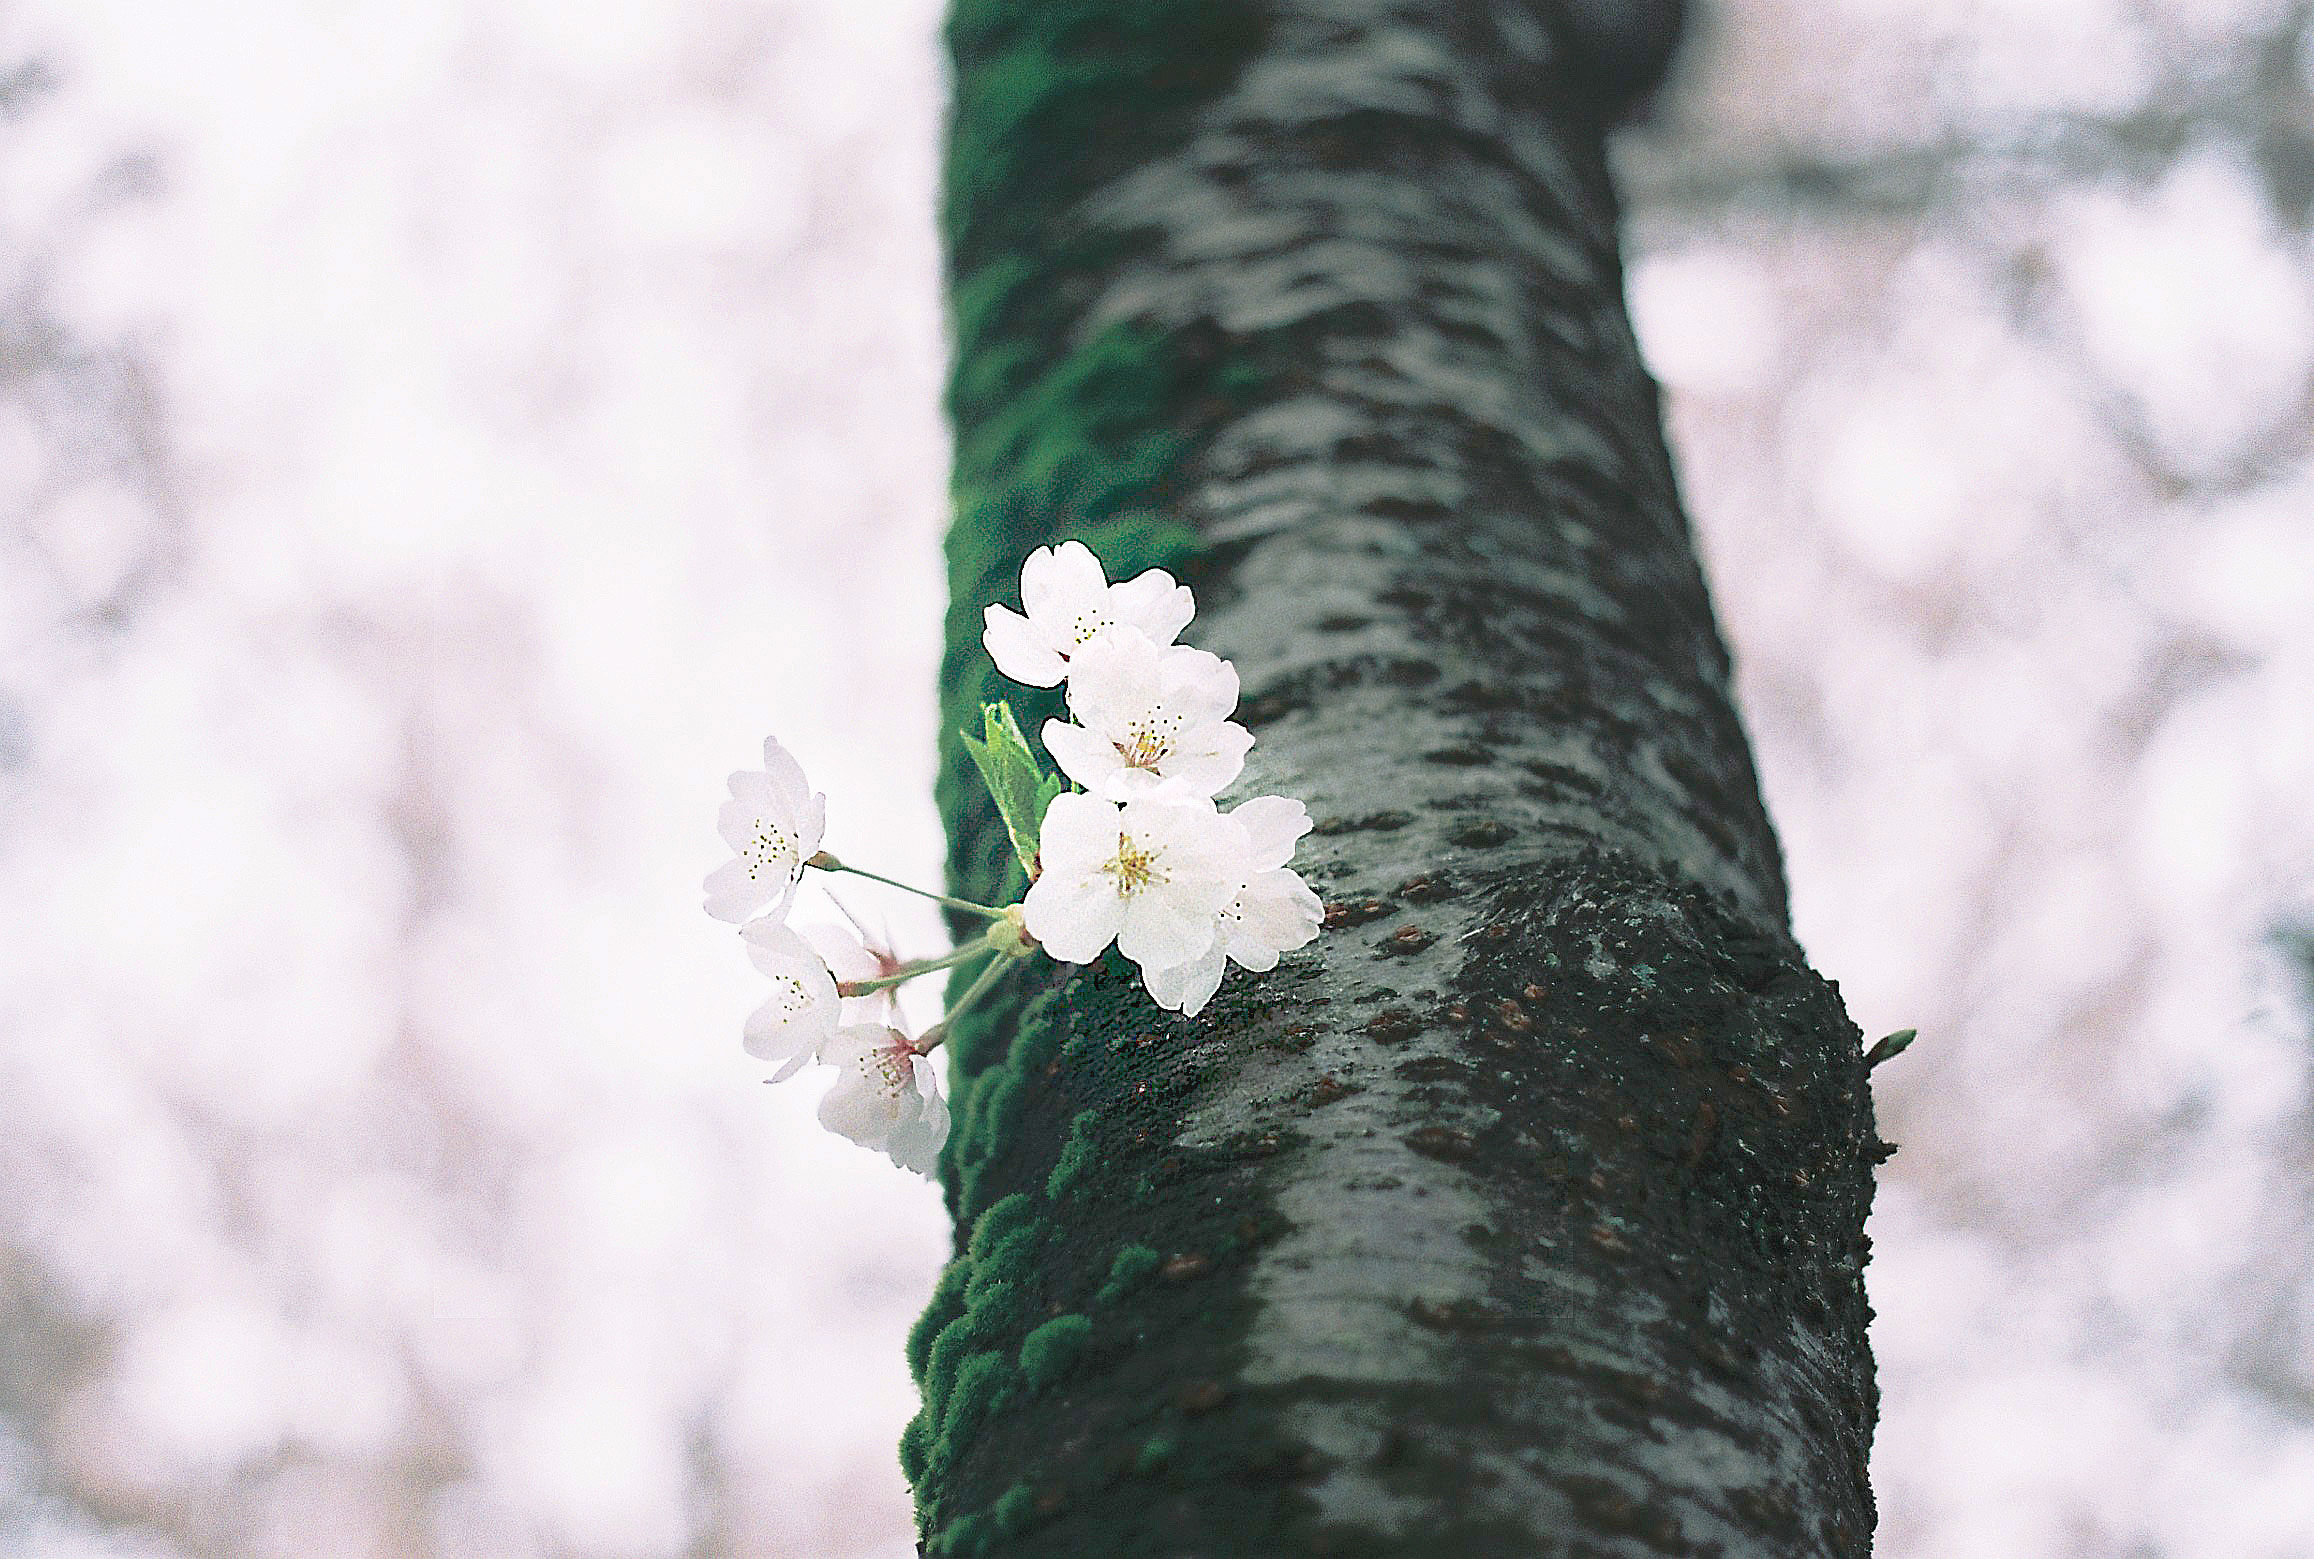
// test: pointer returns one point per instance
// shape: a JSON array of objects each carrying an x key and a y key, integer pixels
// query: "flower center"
[
  {"x": 1132, "y": 867},
  {"x": 1086, "y": 625},
  {"x": 771, "y": 846},
  {"x": 1149, "y": 740},
  {"x": 892, "y": 1069}
]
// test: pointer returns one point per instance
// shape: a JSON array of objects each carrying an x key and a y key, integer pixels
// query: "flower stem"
[
  {"x": 828, "y": 863},
  {"x": 930, "y": 1040},
  {"x": 912, "y": 969}
]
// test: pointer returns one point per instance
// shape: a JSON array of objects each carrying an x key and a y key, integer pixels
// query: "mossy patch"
[
  {"x": 1131, "y": 1266},
  {"x": 1048, "y": 1352},
  {"x": 1061, "y": 432}
]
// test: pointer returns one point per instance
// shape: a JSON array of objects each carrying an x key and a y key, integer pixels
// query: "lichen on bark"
[{"x": 1522, "y": 1213}]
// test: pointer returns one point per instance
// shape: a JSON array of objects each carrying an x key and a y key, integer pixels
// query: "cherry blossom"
[
  {"x": 886, "y": 1096},
  {"x": 774, "y": 821},
  {"x": 851, "y": 954},
  {"x": 1151, "y": 874},
  {"x": 802, "y": 1013},
  {"x": 1273, "y": 912},
  {"x": 1153, "y": 719},
  {"x": 1069, "y": 601}
]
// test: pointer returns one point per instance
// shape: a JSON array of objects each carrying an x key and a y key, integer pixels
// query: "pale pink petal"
[
  {"x": 1019, "y": 651},
  {"x": 734, "y": 893},
  {"x": 842, "y": 950},
  {"x": 857, "y": 1109},
  {"x": 802, "y": 1011},
  {"x": 785, "y": 775}
]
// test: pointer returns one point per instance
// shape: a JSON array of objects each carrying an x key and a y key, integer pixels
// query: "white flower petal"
[
  {"x": 1075, "y": 916},
  {"x": 1113, "y": 676},
  {"x": 1273, "y": 913},
  {"x": 1273, "y": 826},
  {"x": 1218, "y": 758},
  {"x": 1197, "y": 682},
  {"x": 1161, "y": 710},
  {"x": 1077, "y": 834},
  {"x": 1088, "y": 759},
  {"x": 802, "y": 1012},
  {"x": 1200, "y": 854},
  {"x": 885, "y": 1096},
  {"x": 1153, "y": 603},
  {"x": 1186, "y": 988},
  {"x": 842, "y": 949},
  {"x": 773, "y": 822},
  {"x": 1062, "y": 580},
  {"x": 1019, "y": 651},
  {"x": 1161, "y": 930},
  {"x": 734, "y": 892},
  {"x": 785, "y": 775},
  {"x": 855, "y": 1108}
]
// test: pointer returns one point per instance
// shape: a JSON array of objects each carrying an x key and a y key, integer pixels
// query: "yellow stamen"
[{"x": 1132, "y": 868}]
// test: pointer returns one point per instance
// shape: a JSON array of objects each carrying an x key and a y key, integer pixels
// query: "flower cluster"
[
  {"x": 830, "y": 989},
  {"x": 1140, "y": 857},
  {"x": 1143, "y": 858}
]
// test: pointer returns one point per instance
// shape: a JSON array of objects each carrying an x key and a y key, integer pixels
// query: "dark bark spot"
[
  {"x": 1179, "y": 1268},
  {"x": 1201, "y": 1396},
  {"x": 1342, "y": 622},
  {"x": 1432, "y": 1069},
  {"x": 1268, "y": 708},
  {"x": 1429, "y": 888},
  {"x": 1611, "y": 1512},
  {"x": 1347, "y": 912},
  {"x": 1442, "y": 1142},
  {"x": 1459, "y": 757},
  {"x": 1328, "y": 1089},
  {"x": 1389, "y": 1028},
  {"x": 1460, "y": 1315},
  {"x": 1377, "y": 822},
  {"x": 1483, "y": 695},
  {"x": 1411, "y": 511},
  {"x": 1484, "y": 834},
  {"x": 1405, "y": 941},
  {"x": 1771, "y": 1511}
]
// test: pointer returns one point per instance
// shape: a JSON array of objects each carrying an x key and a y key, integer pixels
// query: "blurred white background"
[{"x": 438, "y": 441}]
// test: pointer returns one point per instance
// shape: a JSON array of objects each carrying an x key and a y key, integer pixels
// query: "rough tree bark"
[{"x": 1523, "y": 1212}]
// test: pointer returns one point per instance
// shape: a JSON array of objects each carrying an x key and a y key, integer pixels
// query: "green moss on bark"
[{"x": 1049, "y": 1352}]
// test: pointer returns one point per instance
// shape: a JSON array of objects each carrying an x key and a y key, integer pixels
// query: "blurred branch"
[{"x": 2259, "y": 99}]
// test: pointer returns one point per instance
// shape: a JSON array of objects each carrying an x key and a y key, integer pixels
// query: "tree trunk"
[{"x": 1523, "y": 1212}]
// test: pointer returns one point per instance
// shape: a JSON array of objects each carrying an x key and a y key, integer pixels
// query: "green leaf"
[
  {"x": 1891, "y": 1047},
  {"x": 1017, "y": 783}
]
